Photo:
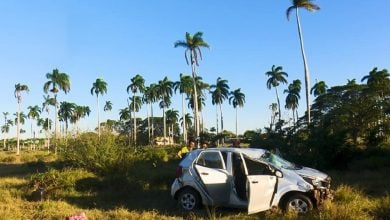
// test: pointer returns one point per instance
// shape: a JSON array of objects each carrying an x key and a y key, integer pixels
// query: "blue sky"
[{"x": 118, "y": 39}]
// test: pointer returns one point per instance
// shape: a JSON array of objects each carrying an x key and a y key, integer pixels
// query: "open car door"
[
  {"x": 212, "y": 172},
  {"x": 261, "y": 184}
]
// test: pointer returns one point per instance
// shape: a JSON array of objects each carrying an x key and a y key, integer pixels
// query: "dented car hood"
[{"x": 311, "y": 173}]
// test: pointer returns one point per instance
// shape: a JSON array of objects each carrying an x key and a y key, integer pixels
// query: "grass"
[{"x": 145, "y": 193}]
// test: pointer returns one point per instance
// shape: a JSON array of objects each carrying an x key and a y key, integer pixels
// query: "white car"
[{"x": 249, "y": 178}]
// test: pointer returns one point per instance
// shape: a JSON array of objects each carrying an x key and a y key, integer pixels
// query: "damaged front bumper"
[{"x": 323, "y": 192}]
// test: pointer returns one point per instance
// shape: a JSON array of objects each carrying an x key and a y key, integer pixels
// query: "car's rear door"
[
  {"x": 261, "y": 186},
  {"x": 212, "y": 171}
]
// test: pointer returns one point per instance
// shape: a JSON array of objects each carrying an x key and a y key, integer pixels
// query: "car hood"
[{"x": 311, "y": 173}]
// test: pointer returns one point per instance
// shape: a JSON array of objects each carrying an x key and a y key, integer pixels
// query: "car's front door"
[
  {"x": 261, "y": 186},
  {"x": 212, "y": 172}
]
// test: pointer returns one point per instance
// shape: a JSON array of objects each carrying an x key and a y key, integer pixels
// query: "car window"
[
  {"x": 210, "y": 160},
  {"x": 256, "y": 168}
]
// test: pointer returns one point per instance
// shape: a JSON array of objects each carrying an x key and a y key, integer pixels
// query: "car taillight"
[{"x": 179, "y": 171}]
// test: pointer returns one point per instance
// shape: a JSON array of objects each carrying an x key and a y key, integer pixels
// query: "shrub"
[
  {"x": 87, "y": 151},
  {"x": 55, "y": 182},
  {"x": 8, "y": 159},
  {"x": 372, "y": 159},
  {"x": 382, "y": 208},
  {"x": 28, "y": 157},
  {"x": 152, "y": 154}
]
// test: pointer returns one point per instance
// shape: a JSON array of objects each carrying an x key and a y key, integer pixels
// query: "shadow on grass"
[
  {"x": 146, "y": 187},
  {"x": 140, "y": 200},
  {"x": 26, "y": 169}
]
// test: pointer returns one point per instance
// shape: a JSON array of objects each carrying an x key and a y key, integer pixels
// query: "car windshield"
[{"x": 278, "y": 161}]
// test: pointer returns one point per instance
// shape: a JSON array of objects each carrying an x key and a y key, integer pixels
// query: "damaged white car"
[{"x": 249, "y": 178}]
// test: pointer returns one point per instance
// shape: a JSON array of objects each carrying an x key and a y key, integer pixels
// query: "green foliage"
[
  {"x": 152, "y": 154},
  {"x": 371, "y": 159},
  {"x": 143, "y": 193},
  {"x": 381, "y": 209},
  {"x": 55, "y": 182},
  {"x": 112, "y": 157},
  {"x": 8, "y": 158},
  {"x": 87, "y": 151}
]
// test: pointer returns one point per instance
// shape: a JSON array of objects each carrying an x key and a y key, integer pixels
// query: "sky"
[{"x": 116, "y": 40}]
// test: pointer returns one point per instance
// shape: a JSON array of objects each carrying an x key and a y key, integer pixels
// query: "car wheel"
[
  {"x": 298, "y": 203},
  {"x": 189, "y": 199}
]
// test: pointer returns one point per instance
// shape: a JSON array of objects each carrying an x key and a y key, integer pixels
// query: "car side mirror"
[{"x": 279, "y": 174}]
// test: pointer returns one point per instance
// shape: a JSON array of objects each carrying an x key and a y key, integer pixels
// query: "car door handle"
[
  {"x": 204, "y": 173},
  {"x": 254, "y": 182}
]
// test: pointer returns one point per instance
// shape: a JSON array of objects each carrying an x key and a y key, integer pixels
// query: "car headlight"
[{"x": 314, "y": 182}]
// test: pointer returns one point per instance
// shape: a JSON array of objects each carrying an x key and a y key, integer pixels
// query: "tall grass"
[{"x": 106, "y": 180}]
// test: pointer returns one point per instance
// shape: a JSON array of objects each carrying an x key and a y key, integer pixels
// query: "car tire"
[
  {"x": 298, "y": 203},
  {"x": 189, "y": 199}
]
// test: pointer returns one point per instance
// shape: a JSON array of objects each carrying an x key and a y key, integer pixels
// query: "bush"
[
  {"x": 8, "y": 159},
  {"x": 372, "y": 159},
  {"x": 87, "y": 151},
  {"x": 28, "y": 157},
  {"x": 55, "y": 182},
  {"x": 382, "y": 208}
]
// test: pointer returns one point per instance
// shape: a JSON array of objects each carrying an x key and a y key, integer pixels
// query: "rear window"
[
  {"x": 189, "y": 158},
  {"x": 210, "y": 160}
]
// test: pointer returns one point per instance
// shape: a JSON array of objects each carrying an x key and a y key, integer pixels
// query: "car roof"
[
  {"x": 250, "y": 152},
  {"x": 254, "y": 153}
]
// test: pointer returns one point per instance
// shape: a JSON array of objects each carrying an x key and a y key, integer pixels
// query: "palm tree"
[
  {"x": 22, "y": 118},
  {"x": 66, "y": 112},
  {"x": 134, "y": 106},
  {"x": 351, "y": 82},
  {"x": 237, "y": 99},
  {"x": 56, "y": 82},
  {"x": 98, "y": 87},
  {"x": 109, "y": 125},
  {"x": 377, "y": 79},
  {"x": 188, "y": 121},
  {"x": 172, "y": 118},
  {"x": 45, "y": 106},
  {"x": 165, "y": 88},
  {"x": 310, "y": 6},
  {"x": 201, "y": 87},
  {"x": 137, "y": 85},
  {"x": 275, "y": 77},
  {"x": 78, "y": 113},
  {"x": 150, "y": 96},
  {"x": 34, "y": 112},
  {"x": 45, "y": 124},
  {"x": 19, "y": 88},
  {"x": 124, "y": 114},
  {"x": 184, "y": 86},
  {"x": 274, "y": 109},
  {"x": 192, "y": 45},
  {"x": 319, "y": 88},
  {"x": 219, "y": 92},
  {"x": 378, "y": 83},
  {"x": 164, "y": 104},
  {"x": 107, "y": 106},
  {"x": 5, "y": 128},
  {"x": 292, "y": 98}
]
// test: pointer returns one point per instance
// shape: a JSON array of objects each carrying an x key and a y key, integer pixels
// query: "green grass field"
[{"x": 145, "y": 194}]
